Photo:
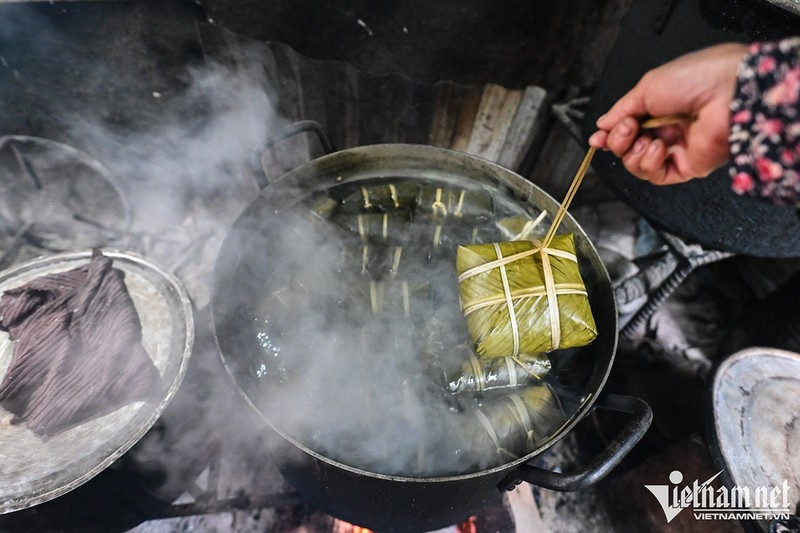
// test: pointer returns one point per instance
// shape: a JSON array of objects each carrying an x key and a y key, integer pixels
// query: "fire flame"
[
  {"x": 467, "y": 526},
  {"x": 340, "y": 526}
]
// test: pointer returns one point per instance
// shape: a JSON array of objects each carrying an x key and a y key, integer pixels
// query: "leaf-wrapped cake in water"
[
  {"x": 322, "y": 207},
  {"x": 380, "y": 197},
  {"x": 406, "y": 298},
  {"x": 521, "y": 299},
  {"x": 471, "y": 206},
  {"x": 442, "y": 239},
  {"x": 375, "y": 260},
  {"x": 388, "y": 228},
  {"x": 512, "y": 425},
  {"x": 522, "y": 227},
  {"x": 498, "y": 373}
]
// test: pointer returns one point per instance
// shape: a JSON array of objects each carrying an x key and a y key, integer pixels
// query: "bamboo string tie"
[
  {"x": 549, "y": 283},
  {"x": 551, "y": 289}
]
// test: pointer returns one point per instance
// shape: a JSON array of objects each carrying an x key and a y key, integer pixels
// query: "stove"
[{"x": 168, "y": 125}]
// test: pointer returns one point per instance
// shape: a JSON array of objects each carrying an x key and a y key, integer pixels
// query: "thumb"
[{"x": 696, "y": 163}]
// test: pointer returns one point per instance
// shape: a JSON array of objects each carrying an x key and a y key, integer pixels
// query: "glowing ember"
[
  {"x": 340, "y": 526},
  {"x": 467, "y": 526}
]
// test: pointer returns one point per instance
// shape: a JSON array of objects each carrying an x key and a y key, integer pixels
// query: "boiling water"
[{"x": 356, "y": 329}]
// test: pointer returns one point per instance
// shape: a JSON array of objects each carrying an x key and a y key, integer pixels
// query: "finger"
[
  {"x": 682, "y": 163},
  {"x": 669, "y": 172},
  {"x": 665, "y": 174},
  {"x": 706, "y": 155},
  {"x": 622, "y": 136},
  {"x": 632, "y": 158},
  {"x": 652, "y": 162},
  {"x": 598, "y": 139},
  {"x": 672, "y": 175}
]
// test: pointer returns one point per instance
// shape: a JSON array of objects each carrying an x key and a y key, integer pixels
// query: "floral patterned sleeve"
[{"x": 765, "y": 123}]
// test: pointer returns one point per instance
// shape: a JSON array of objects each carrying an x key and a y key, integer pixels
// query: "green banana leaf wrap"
[
  {"x": 381, "y": 197},
  {"x": 498, "y": 373},
  {"x": 375, "y": 260},
  {"x": 399, "y": 298},
  {"x": 387, "y": 228},
  {"x": 522, "y": 227},
  {"x": 323, "y": 207},
  {"x": 473, "y": 206},
  {"x": 513, "y": 424},
  {"x": 440, "y": 240},
  {"x": 520, "y": 299}
]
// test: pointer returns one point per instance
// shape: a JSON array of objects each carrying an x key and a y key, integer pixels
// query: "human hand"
[{"x": 700, "y": 84}]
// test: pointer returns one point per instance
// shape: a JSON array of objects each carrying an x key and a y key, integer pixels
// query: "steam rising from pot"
[
  {"x": 324, "y": 369},
  {"x": 337, "y": 365},
  {"x": 336, "y": 377},
  {"x": 355, "y": 389}
]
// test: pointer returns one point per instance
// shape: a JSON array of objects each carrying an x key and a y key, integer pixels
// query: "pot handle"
[
  {"x": 604, "y": 463},
  {"x": 296, "y": 128}
]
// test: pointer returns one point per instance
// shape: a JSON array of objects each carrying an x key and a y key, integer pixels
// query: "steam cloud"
[
  {"x": 189, "y": 176},
  {"x": 336, "y": 379}
]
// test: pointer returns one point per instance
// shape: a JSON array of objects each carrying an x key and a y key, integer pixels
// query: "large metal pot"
[{"x": 390, "y": 502}]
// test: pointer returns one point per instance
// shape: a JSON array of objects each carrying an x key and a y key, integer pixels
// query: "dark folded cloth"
[{"x": 78, "y": 351}]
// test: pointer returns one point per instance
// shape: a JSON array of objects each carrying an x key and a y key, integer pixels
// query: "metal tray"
[
  {"x": 33, "y": 470},
  {"x": 755, "y": 398}
]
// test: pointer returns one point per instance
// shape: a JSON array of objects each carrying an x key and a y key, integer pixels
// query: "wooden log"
[
  {"x": 492, "y": 122},
  {"x": 466, "y": 119},
  {"x": 448, "y": 101},
  {"x": 527, "y": 128}
]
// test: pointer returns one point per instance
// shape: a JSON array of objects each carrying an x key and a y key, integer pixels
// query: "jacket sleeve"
[{"x": 765, "y": 126}]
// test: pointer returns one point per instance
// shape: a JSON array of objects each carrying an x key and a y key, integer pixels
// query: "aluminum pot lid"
[
  {"x": 33, "y": 470},
  {"x": 58, "y": 196},
  {"x": 756, "y": 418},
  {"x": 793, "y": 6}
]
